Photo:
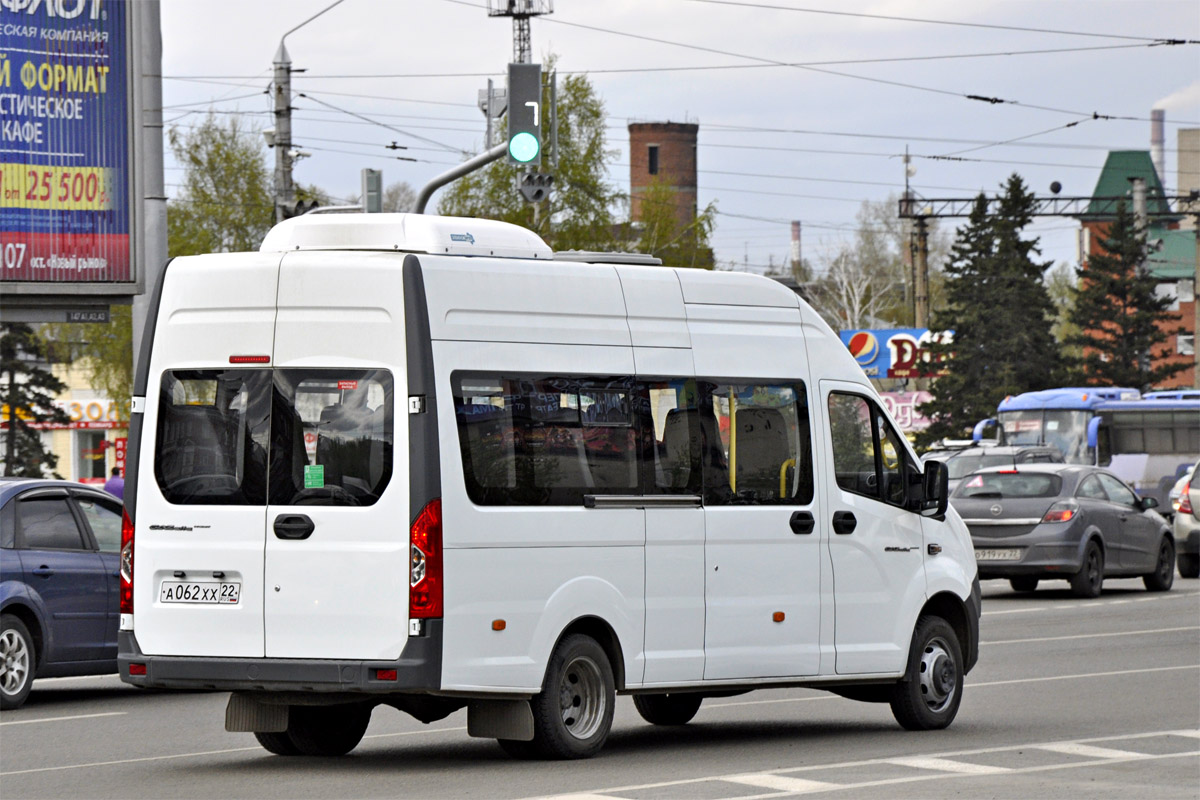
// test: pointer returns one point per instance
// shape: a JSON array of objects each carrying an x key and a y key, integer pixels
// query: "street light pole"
[{"x": 285, "y": 189}]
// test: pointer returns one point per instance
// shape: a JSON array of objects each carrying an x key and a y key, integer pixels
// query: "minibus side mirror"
[{"x": 937, "y": 490}]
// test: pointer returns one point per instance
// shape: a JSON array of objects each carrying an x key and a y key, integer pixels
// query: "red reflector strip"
[
  {"x": 385, "y": 674},
  {"x": 137, "y": 669},
  {"x": 249, "y": 359}
]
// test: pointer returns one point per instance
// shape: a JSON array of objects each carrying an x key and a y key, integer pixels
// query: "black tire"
[
  {"x": 1023, "y": 584},
  {"x": 278, "y": 743},
  {"x": 1189, "y": 565},
  {"x": 929, "y": 697},
  {"x": 1164, "y": 570},
  {"x": 573, "y": 713},
  {"x": 667, "y": 709},
  {"x": 1090, "y": 579},
  {"x": 18, "y": 662},
  {"x": 327, "y": 730}
]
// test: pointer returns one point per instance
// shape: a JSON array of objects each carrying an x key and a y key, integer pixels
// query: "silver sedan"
[{"x": 1081, "y": 524}]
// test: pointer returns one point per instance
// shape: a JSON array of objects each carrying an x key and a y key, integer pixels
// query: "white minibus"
[{"x": 427, "y": 463}]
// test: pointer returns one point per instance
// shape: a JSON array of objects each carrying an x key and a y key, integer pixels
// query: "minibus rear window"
[
  {"x": 545, "y": 440},
  {"x": 213, "y": 428},
  {"x": 331, "y": 436}
]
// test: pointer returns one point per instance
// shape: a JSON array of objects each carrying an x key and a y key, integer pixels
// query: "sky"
[{"x": 805, "y": 107}]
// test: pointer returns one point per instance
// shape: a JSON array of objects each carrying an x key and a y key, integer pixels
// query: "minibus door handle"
[
  {"x": 293, "y": 526},
  {"x": 802, "y": 522},
  {"x": 844, "y": 522}
]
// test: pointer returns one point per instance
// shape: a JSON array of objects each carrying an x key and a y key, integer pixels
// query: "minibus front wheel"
[
  {"x": 928, "y": 697},
  {"x": 573, "y": 713}
]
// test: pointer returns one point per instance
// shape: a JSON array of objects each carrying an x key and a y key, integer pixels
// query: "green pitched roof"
[
  {"x": 1120, "y": 166},
  {"x": 1177, "y": 258}
]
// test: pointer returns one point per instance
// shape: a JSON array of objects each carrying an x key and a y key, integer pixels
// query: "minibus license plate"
[
  {"x": 998, "y": 554},
  {"x": 211, "y": 592}
]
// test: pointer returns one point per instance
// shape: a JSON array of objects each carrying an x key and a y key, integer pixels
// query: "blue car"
[{"x": 60, "y": 545}]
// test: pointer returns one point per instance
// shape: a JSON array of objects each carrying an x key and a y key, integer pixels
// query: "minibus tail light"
[
  {"x": 126, "y": 563},
  {"x": 425, "y": 569},
  {"x": 1063, "y": 511}
]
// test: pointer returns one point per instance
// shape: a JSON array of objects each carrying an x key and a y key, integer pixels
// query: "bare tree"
[{"x": 398, "y": 197}]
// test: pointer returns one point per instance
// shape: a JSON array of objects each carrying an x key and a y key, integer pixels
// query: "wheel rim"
[
  {"x": 1093, "y": 567},
  {"x": 581, "y": 697},
  {"x": 1166, "y": 562},
  {"x": 14, "y": 662},
  {"x": 939, "y": 675}
]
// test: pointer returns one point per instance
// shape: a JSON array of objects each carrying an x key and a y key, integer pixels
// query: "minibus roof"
[{"x": 408, "y": 233}]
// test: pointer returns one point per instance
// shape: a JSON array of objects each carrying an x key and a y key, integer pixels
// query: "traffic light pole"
[{"x": 481, "y": 160}]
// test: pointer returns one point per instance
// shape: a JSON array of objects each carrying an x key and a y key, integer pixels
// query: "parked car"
[
  {"x": 963, "y": 462},
  {"x": 1187, "y": 526},
  {"x": 59, "y": 604},
  {"x": 1034, "y": 522}
]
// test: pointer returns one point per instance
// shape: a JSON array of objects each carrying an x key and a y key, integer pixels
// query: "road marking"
[
  {"x": 1081, "y": 605},
  {"x": 947, "y": 765},
  {"x": 766, "y": 702},
  {"x": 1094, "y": 635},
  {"x": 1083, "y": 675},
  {"x": 937, "y": 772},
  {"x": 198, "y": 754},
  {"x": 1078, "y": 676},
  {"x": 60, "y": 719},
  {"x": 781, "y": 783},
  {"x": 1091, "y": 751}
]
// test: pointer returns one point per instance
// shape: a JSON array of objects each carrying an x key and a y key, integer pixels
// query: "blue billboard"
[
  {"x": 895, "y": 352},
  {"x": 64, "y": 141}
]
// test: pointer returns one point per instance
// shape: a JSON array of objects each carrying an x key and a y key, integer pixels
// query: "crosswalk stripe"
[
  {"x": 1088, "y": 751},
  {"x": 780, "y": 783},
  {"x": 946, "y": 765}
]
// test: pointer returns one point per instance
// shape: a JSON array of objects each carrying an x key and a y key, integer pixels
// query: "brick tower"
[{"x": 666, "y": 151}]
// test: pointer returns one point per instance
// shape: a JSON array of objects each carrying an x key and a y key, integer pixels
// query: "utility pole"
[
  {"x": 921, "y": 277},
  {"x": 285, "y": 190}
]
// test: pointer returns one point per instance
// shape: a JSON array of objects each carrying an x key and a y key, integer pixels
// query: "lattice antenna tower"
[{"x": 520, "y": 11}]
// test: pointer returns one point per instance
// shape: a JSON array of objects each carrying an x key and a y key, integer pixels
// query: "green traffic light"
[{"x": 524, "y": 147}]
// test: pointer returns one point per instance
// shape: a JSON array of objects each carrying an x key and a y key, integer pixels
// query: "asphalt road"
[{"x": 1071, "y": 698}]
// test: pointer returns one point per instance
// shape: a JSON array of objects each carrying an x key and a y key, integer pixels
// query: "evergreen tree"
[
  {"x": 28, "y": 392},
  {"x": 1118, "y": 316},
  {"x": 1001, "y": 314}
]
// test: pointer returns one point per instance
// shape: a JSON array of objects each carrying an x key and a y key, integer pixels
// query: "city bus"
[{"x": 1146, "y": 439}]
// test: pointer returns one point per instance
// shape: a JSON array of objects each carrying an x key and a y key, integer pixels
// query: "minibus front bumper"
[{"x": 418, "y": 670}]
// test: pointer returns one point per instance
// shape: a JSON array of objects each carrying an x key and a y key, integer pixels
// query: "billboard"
[
  {"x": 895, "y": 352},
  {"x": 65, "y": 155}
]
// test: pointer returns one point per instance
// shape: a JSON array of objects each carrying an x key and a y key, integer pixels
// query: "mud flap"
[
  {"x": 500, "y": 719},
  {"x": 244, "y": 714}
]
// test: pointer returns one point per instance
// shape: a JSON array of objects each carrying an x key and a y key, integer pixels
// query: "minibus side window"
[
  {"x": 756, "y": 444},
  {"x": 545, "y": 440},
  {"x": 331, "y": 436},
  {"x": 212, "y": 436},
  {"x": 670, "y": 436},
  {"x": 869, "y": 457}
]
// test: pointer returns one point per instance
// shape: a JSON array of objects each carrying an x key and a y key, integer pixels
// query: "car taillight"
[
  {"x": 1061, "y": 512},
  {"x": 425, "y": 569},
  {"x": 1185, "y": 502},
  {"x": 126, "y": 563}
]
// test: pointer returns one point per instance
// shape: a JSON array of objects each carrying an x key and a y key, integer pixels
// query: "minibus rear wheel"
[
  {"x": 928, "y": 697},
  {"x": 327, "y": 730},
  {"x": 573, "y": 713},
  {"x": 279, "y": 743},
  {"x": 667, "y": 709}
]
